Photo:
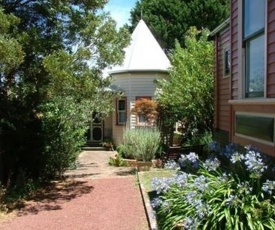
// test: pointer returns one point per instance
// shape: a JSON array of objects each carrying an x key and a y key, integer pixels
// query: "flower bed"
[{"x": 230, "y": 190}]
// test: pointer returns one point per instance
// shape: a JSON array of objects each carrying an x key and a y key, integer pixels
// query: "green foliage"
[
  {"x": 198, "y": 139},
  {"x": 188, "y": 93},
  {"x": 3, "y": 206},
  {"x": 170, "y": 20},
  {"x": 117, "y": 161},
  {"x": 235, "y": 195},
  {"x": 141, "y": 143},
  {"x": 11, "y": 53},
  {"x": 52, "y": 54}
]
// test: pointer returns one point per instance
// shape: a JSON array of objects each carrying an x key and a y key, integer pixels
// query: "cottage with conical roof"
[{"x": 143, "y": 64}]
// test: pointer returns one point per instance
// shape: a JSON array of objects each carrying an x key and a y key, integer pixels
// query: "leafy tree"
[
  {"x": 188, "y": 94},
  {"x": 11, "y": 55},
  {"x": 59, "y": 49},
  {"x": 170, "y": 20}
]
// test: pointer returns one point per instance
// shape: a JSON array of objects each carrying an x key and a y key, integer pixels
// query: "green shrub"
[
  {"x": 141, "y": 143},
  {"x": 117, "y": 161},
  {"x": 207, "y": 195}
]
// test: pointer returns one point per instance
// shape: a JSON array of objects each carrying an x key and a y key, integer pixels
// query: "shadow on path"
[{"x": 52, "y": 197}]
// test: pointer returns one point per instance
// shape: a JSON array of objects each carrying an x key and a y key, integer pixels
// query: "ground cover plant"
[{"x": 229, "y": 190}]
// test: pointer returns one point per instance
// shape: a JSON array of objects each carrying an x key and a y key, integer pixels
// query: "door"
[{"x": 96, "y": 130}]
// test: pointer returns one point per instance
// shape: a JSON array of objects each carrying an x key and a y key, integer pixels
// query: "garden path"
[{"x": 94, "y": 196}]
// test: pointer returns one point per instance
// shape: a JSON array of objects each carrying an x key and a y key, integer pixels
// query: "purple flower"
[
  {"x": 236, "y": 157},
  {"x": 268, "y": 186},
  {"x": 254, "y": 163},
  {"x": 201, "y": 209},
  {"x": 232, "y": 200},
  {"x": 162, "y": 184},
  {"x": 171, "y": 165},
  {"x": 181, "y": 179},
  {"x": 211, "y": 165},
  {"x": 201, "y": 183},
  {"x": 156, "y": 202},
  {"x": 214, "y": 146},
  {"x": 244, "y": 187},
  {"x": 191, "y": 197},
  {"x": 190, "y": 224}
]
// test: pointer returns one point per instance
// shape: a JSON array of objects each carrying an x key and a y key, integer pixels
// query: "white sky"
[{"x": 120, "y": 10}]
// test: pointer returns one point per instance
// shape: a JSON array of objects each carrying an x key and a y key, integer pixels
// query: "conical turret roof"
[{"x": 143, "y": 54}]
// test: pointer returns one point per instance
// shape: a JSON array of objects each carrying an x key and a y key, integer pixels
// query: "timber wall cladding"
[{"x": 222, "y": 110}]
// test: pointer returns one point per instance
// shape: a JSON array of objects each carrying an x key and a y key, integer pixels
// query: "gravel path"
[{"x": 95, "y": 196}]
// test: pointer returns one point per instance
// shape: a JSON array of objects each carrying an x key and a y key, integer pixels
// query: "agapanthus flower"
[
  {"x": 192, "y": 157},
  {"x": 254, "y": 163},
  {"x": 191, "y": 160},
  {"x": 201, "y": 183},
  {"x": 236, "y": 157},
  {"x": 181, "y": 179},
  {"x": 201, "y": 209},
  {"x": 162, "y": 184},
  {"x": 230, "y": 148},
  {"x": 190, "y": 224},
  {"x": 214, "y": 146},
  {"x": 224, "y": 178},
  {"x": 251, "y": 148},
  {"x": 244, "y": 187},
  {"x": 191, "y": 197},
  {"x": 268, "y": 186},
  {"x": 232, "y": 200},
  {"x": 156, "y": 202},
  {"x": 171, "y": 165},
  {"x": 211, "y": 164}
]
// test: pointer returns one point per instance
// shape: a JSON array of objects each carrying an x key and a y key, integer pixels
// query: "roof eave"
[
  {"x": 220, "y": 27},
  {"x": 138, "y": 71}
]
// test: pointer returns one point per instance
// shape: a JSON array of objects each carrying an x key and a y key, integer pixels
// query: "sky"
[{"x": 120, "y": 10}]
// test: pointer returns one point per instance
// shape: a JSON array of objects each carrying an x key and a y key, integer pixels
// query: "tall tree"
[
  {"x": 170, "y": 20},
  {"x": 11, "y": 55},
  {"x": 188, "y": 94},
  {"x": 48, "y": 94}
]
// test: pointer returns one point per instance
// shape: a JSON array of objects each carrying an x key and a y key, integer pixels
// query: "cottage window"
[
  {"x": 254, "y": 44},
  {"x": 121, "y": 111},
  {"x": 227, "y": 63}
]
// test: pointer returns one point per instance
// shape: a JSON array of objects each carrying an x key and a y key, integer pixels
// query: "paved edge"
[{"x": 147, "y": 206}]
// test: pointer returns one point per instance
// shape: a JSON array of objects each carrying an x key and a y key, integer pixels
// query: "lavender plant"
[
  {"x": 141, "y": 143},
  {"x": 231, "y": 190}
]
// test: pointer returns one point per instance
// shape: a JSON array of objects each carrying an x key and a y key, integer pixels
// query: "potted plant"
[{"x": 108, "y": 144}]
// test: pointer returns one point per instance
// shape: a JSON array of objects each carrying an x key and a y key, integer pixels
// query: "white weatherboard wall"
[{"x": 134, "y": 85}]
